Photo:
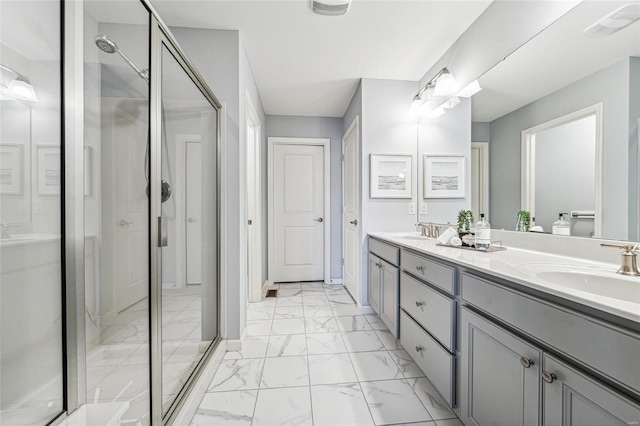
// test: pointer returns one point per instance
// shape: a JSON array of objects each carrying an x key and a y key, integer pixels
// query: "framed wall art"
[
  {"x": 444, "y": 176},
  {"x": 49, "y": 170},
  {"x": 391, "y": 176}
]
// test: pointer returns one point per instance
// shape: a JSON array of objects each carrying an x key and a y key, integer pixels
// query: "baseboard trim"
[
  {"x": 234, "y": 345},
  {"x": 367, "y": 310}
]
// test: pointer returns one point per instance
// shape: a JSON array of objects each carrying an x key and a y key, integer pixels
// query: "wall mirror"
[{"x": 560, "y": 118}]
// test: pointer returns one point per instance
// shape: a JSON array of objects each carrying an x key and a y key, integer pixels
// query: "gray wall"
[
  {"x": 480, "y": 131},
  {"x": 609, "y": 86},
  {"x": 319, "y": 127},
  {"x": 220, "y": 58},
  {"x": 387, "y": 128},
  {"x": 557, "y": 179}
]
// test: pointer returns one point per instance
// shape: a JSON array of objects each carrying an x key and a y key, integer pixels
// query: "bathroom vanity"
[{"x": 514, "y": 337}]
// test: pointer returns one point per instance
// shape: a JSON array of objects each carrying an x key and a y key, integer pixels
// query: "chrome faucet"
[
  {"x": 4, "y": 230},
  {"x": 428, "y": 229},
  {"x": 628, "y": 262}
]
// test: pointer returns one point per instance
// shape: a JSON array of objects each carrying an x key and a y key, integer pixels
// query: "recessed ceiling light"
[
  {"x": 330, "y": 7},
  {"x": 615, "y": 21}
]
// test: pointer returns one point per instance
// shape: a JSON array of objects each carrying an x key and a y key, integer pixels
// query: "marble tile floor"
[
  {"x": 118, "y": 368},
  {"x": 311, "y": 358}
]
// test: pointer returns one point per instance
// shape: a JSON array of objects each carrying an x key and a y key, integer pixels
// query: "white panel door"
[
  {"x": 298, "y": 209},
  {"x": 132, "y": 242},
  {"x": 351, "y": 195},
  {"x": 193, "y": 212}
]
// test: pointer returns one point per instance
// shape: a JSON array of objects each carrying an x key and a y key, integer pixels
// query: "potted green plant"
[
  {"x": 465, "y": 222},
  {"x": 523, "y": 221}
]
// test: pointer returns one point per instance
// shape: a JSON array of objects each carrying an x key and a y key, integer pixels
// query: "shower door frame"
[{"x": 162, "y": 37}]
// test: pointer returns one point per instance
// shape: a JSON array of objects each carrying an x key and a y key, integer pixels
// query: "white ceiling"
[
  {"x": 309, "y": 65},
  {"x": 557, "y": 57}
]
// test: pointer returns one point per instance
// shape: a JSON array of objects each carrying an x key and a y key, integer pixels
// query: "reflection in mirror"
[
  {"x": 547, "y": 175},
  {"x": 560, "y": 72},
  {"x": 15, "y": 162}
]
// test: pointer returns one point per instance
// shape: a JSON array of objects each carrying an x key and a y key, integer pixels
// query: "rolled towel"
[
  {"x": 536, "y": 229},
  {"x": 455, "y": 241},
  {"x": 446, "y": 235}
]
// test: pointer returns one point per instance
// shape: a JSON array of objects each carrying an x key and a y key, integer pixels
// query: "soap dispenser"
[
  {"x": 561, "y": 226},
  {"x": 483, "y": 233}
]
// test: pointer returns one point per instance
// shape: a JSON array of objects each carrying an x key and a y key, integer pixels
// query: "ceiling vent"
[
  {"x": 330, "y": 7},
  {"x": 615, "y": 21}
]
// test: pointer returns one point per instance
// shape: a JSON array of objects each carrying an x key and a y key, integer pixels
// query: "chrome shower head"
[{"x": 105, "y": 44}]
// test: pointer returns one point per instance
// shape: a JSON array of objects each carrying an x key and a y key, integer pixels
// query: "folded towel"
[{"x": 447, "y": 235}]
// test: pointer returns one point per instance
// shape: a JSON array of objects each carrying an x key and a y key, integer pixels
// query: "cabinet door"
[
  {"x": 373, "y": 285},
  {"x": 389, "y": 305},
  {"x": 571, "y": 398},
  {"x": 500, "y": 375}
]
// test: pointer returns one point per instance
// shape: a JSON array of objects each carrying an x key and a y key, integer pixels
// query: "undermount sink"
[
  {"x": 601, "y": 283},
  {"x": 413, "y": 237}
]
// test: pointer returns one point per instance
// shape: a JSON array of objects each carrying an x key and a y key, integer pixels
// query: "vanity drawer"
[
  {"x": 435, "y": 273},
  {"x": 434, "y": 361},
  {"x": 431, "y": 309},
  {"x": 602, "y": 347},
  {"x": 385, "y": 251}
]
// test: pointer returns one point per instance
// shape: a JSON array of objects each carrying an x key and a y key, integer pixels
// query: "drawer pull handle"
[
  {"x": 548, "y": 377},
  {"x": 526, "y": 362},
  {"x": 420, "y": 268},
  {"x": 419, "y": 348},
  {"x": 419, "y": 303},
  {"x": 379, "y": 265}
]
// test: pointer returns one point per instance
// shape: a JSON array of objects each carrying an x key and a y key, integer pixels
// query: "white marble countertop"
[{"x": 522, "y": 266}]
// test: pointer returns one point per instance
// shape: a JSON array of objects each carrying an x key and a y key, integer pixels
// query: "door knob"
[
  {"x": 319, "y": 220},
  {"x": 354, "y": 222},
  {"x": 191, "y": 220},
  {"x": 124, "y": 223}
]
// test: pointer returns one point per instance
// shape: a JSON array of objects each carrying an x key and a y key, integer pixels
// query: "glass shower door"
[
  {"x": 189, "y": 277},
  {"x": 31, "y": 197}
]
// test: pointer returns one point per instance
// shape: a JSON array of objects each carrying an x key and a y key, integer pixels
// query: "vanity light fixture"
[
  {"x": 330, "y": 7},
  {"x": 470, "y": 89},
  {"x": 445, "y": 83},
  {"x": 19, "y": 88},
  {"x": 615, "y": 21},
  {"x": 451, "y": 103}
]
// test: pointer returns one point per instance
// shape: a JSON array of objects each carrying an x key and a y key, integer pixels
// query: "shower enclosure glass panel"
[
  {"x": 189, "y": 194},
  {"x": 31, "y": 287},
  {"x": 116, "y": 204}
]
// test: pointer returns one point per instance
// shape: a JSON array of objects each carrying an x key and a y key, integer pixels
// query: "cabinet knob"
[
  {"x": 548, "y": 377},
  {"x": 419, "y": 348},
  {"x": 379, "y": 265},
  {"x": 420, "y": 268},
  {"x": 419, "y": 303},
  {"x": 526, "y": 362}
]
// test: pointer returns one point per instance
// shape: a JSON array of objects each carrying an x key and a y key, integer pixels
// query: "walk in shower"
[
  {"x": 164, "y": 305},
  {"x": 143, "y": 171}
]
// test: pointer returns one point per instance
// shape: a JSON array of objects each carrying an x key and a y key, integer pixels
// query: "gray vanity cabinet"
[
  {"x": 373, "y": 285},
  {"x": 384, "y": 282},
  {"x": 571, "y": 398},
  {"x": 500, "y": 374}
]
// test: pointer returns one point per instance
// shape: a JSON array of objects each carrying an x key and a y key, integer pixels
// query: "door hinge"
[
  {"x": 342, "y": 157},
  {"x": 343, "y": 261}
]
